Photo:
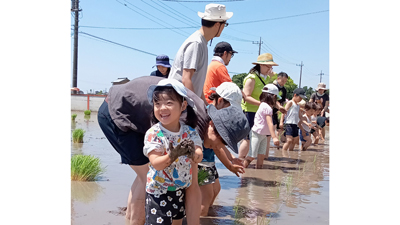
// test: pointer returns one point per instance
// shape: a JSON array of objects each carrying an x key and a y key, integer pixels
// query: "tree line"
[{"x": 290, "y": 85}]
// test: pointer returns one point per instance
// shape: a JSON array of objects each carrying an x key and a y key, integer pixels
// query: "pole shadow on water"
[
  {"x": 284, "y": 159},
  {"x": 219, "y": 214},
  {"x": 273, "y": 167},
  {"x": 245, "y": 181}
]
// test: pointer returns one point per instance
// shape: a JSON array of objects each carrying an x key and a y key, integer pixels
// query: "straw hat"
[
  {"x": 265, "y": 59},
  {"x": 321, "y": 86}
]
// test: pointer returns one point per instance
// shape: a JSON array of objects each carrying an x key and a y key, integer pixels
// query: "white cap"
[
  {"x": 178, "y": 86},
  {"x": 215, "y": 12},
  {"x": 272, "y": 89},
  {"x": 230, "y": 92}
]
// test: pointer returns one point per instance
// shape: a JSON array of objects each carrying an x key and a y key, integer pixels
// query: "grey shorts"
[
  {"x": 209, "y": 175},
  {"x": 258, "y": 144}
]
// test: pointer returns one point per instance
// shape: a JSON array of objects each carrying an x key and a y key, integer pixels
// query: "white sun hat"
[
  {"x": 215, "y": 12},
  {"x": 230, "y": 92}
]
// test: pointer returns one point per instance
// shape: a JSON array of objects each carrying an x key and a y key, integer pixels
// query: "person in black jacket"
[
  {"x": 163, "y": 66},
  {"x": 280, "y": 83}
]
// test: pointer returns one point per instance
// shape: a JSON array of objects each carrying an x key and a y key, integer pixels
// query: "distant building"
[{"x": 120, "y": 81}]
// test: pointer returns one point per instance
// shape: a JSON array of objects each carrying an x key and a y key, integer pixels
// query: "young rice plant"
[
  {"x": 87, "y": 112},
  {"x": 85, "y": 168},
  {"x": 73, "y": 116},
  {"x": 77, "y": 135}
]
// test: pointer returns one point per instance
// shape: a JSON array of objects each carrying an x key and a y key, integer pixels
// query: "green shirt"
[{"x": 247, "y": 107}]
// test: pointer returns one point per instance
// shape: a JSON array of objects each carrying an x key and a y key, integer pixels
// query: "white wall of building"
[{"x": 79, "y": 102}]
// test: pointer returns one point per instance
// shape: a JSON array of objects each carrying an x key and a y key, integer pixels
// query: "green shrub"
[
  {"x": 87, "y": 112},
  {"x": 85, "y": 168},
  {"x": 77, "y": 135},
  {"x": 73, "y": 116}
]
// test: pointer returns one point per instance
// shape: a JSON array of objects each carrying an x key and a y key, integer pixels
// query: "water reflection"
[{"x": 85, "y": 191}]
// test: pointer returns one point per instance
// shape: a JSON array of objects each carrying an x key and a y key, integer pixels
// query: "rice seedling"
[
  {"x": 85, "y": 168},
  {"x": 238, "y": 213},
  {"x": 73, "y": 116},
  {"x": 87, "y": 112},
  {"x": 264, "y": 220},
  {"x": 77, "y": 135},
  {"x": 201, "y": 176}
]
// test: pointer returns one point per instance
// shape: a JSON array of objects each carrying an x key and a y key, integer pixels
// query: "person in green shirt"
[{"x": 253, "y": 83}]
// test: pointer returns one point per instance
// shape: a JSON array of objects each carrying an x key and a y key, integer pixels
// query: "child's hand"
[
  {"x": 276, "y": 142},
  {"x": 186, "y": 147},
  {"x": 237, "y": 161}
]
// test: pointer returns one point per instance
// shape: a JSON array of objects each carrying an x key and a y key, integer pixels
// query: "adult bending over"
[{"x": 125, "y": 117}]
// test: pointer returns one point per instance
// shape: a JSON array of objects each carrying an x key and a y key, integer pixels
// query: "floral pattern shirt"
[{"x": 178, "y": 175}]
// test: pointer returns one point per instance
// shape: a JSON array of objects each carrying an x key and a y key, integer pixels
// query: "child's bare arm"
[
  {"x": 158, "y": 160},
  {"x": 198, "y": 154}
]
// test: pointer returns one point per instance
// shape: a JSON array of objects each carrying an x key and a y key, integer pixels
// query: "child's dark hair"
[
  {"x": 214, "y": 96},
  {"x": 283, "y": 74},
  {"x": 268, "y": 98},
  {"x": 310, "y": 105},
  {"x": 191, "y": 117}
]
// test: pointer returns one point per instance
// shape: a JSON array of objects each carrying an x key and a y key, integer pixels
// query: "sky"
[{"x": 293, "y": 31}]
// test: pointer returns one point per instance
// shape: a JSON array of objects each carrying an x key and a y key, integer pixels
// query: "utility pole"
[
  {"x": 76, "y": 10},
  {"x": 259, "y": 45},
  {"x": 301, "y": 68},
  {"x": 320, "y": 76}
]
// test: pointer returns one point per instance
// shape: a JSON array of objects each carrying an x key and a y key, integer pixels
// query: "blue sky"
[{"x": 286, "y": 32}]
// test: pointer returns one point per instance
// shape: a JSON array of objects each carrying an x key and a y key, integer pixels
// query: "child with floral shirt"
[{"x": 172, "y": 147}]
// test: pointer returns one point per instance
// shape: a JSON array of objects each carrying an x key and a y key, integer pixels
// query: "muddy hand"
[{"x": 186, "y": 147}]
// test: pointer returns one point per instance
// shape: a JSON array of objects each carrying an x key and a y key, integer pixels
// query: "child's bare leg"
[
  {"x": 244, "y": 149},
  {"x": 307, "y": 143},
  {"x": 294, "y": 142},
  {"x": 268, "y": 146},
  {"x": 285, "y": 147},
  {"x": 216, "y": 189},
  {"x": 260, "y": 161},
  {"x": 177, "y": 222},
  {"x": 207, "y": 194},
  {"x": 316, "y": 137},
  {"x": 247, "y": 161}
]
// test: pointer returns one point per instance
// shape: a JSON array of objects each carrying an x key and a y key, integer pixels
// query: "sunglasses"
[
  {"x": 226, "y": 24},
  {"x": 232, "y": 54}
]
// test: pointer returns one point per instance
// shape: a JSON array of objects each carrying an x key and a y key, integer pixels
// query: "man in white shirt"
[{"x": 190, "y": 63}]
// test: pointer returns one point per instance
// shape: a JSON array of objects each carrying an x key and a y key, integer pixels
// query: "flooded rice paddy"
[{"x": 288, "y": 190}]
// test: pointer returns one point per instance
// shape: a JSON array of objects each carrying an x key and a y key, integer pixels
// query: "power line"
[
  {"x": 164, "y": 12},
  {"x": 178, "y": 28},
  {"x": 139, "y": 28},
  {"x": 149, "y": 53},
  {"x": 146, "y": 16},
  {"x": 202, "y": 1},
  {"x": 278, "y": 18},
  {"x": 277, "y": 55},
  {"x": 177, "y": 12}
]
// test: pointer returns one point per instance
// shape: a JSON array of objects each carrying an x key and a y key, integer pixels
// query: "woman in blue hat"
[{"x": 163, "y": 66}]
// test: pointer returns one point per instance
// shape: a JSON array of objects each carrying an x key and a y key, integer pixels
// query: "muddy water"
[{"x": 288, "y": 190}]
